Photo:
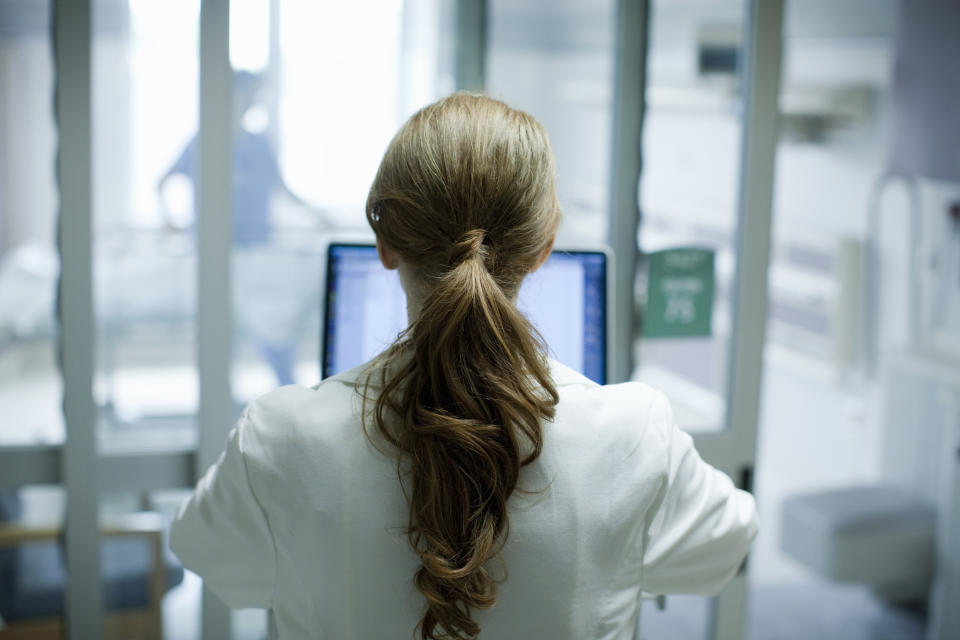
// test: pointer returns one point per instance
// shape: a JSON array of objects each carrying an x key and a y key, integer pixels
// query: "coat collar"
[{"x": 562, "y": 375}]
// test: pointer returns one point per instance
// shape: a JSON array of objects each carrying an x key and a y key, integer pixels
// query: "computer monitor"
[{"x": 566, "y": 299}]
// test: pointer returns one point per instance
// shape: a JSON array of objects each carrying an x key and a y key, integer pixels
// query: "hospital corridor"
[{"x": 758, "y": 218}]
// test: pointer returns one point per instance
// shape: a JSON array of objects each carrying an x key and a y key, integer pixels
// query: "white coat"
[{"x": 303, "y": 516}]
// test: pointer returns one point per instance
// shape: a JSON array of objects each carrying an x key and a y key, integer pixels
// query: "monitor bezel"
[{"x": 365, "y": 243}]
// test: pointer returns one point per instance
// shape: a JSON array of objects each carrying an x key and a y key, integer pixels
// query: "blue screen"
[{"x": 565, "y": 299}]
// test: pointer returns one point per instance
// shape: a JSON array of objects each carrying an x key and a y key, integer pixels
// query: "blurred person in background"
[{"x": 270, "y": 319}]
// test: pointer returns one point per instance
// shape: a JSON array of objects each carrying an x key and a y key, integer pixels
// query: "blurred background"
[{"x": 837, "y": 401}]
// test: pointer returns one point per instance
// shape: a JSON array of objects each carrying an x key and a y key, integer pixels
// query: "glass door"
[
  {"x": 312, "y": 130},
  {"x": 144, "y": 96},
  {"x": 688, "y": 200},
  {"x": 555, "y": 60},
  {"x": 32, "y": 432},
  {"x": 144, "y": 368},
  {"x": 692, "y": 134},
  {"x": 707, "y": 149},
  {"x": 705, "y": 201},
  {"x": 319, "y": 89}
]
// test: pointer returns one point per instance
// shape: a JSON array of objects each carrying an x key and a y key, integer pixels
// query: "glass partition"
[
  {"x": 689, "y": 197},
  {"x": 311, "y": 131},
  {"x": 835, "y": 101},
  {"x": 319, "y": 91},
  {"x": 688, "y": 201},
  {"x": 30, "y": 383},
  {"x": 555, "y": 60},
  {"x": 145, "y": 69},
  {"x": 145, "y": 111}
]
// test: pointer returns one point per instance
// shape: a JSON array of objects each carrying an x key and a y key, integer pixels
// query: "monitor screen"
[{"x": 565, "y": 299}]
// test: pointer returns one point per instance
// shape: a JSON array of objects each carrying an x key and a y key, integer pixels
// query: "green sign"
[{"x": 679, "y": 293}]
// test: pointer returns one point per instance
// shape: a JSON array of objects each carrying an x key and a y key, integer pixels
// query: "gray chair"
[{"x": 879, "y": 536}]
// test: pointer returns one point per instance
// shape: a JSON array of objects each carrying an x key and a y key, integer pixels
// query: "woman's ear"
[
  {"x": 546, "y": 254},
  {"x": 388, "y": 257}
]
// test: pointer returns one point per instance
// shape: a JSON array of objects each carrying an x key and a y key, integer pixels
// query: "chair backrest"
[
  {"x": 10, "y": 505},
  {"x": 10, "y": 509}
]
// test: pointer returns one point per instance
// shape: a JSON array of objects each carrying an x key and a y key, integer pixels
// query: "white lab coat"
[{"x": 303, "y": 516}]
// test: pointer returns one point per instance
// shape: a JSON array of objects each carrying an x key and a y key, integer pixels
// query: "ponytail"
[{"x": 467, "y": 388}]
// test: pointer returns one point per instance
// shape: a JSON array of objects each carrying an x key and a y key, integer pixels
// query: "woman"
[{"x": 461, "y": 483}]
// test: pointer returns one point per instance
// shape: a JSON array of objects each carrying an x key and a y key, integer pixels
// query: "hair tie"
[{"x": 468, "y": 246}]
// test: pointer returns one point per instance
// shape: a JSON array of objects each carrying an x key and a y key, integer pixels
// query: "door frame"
[{"x": 732, "y": 450}]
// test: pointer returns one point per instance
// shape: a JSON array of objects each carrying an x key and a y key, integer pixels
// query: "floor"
[{"x": 799, "y": 610}]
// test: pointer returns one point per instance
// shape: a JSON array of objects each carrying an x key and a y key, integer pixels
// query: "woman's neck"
[{"x": 413, "y": 290}]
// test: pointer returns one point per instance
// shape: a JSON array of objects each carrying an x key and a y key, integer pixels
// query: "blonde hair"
[{"x": 465, "y": 196}]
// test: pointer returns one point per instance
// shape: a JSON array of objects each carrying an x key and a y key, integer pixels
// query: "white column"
[
  {"x": 274, "y": 75},
  {"x": 214, "y": 239},
  {"x": 72, "y": 60},
  {"x": 761, "y": 81},
  {"x": 944, "y": 619},
  {"x": 471, "y": 44},
  {"x": 630, "y": 73}
]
